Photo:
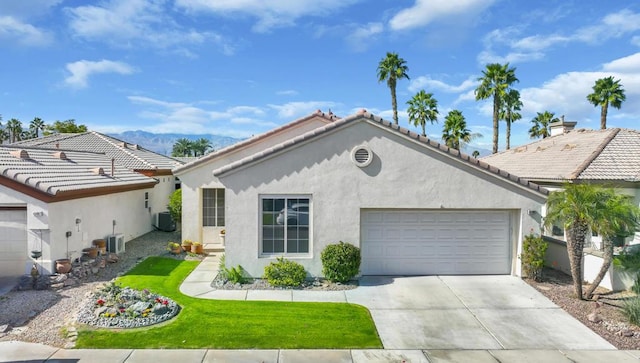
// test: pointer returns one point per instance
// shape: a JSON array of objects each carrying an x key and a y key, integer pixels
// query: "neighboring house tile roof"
[
  {"x": 610, "y": 154},
  {"x": 55, "y": 174},
  {"x": 363, "y": 115},
  {"x": 328, "y": 117},
  {"x": 129, "y": 155}
]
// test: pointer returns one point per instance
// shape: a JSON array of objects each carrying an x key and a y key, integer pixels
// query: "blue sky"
[{"x": 242, "y": 67}]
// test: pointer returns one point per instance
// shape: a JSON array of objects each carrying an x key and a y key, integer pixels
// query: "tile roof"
[
  {"x": 363, "y": 115},
  {"x": 610, "y": 154},
  {"x": 129, "y": 155},
  {"x": 55, "y": 172},
  {"x": 328, "y": 117}
]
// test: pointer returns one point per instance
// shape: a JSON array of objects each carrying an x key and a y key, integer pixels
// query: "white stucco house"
[
  {"x": 609, "y": 157},
  {"x": 58, "y": 201},
  {"x": 413, "y": 206},
  {"x": 132, "y": 156}
]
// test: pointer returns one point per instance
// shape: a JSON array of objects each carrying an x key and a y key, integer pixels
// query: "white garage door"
[
  {"x": 435, "y": 242},
  {"x": 13, "y": 241}
]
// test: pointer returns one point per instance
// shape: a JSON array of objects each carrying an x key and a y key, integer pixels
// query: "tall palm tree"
[
  {"x": 35, "y": 126},
  {"x": 391, "y": 69},
  {"x": 541, "y": 124},
  {"x": 422, "y": 108},
  {"x": 509, "y": 111},
  {"x": 606, "y": 92},
  {"x": 495, "y": 82},
  {"x": 182, "y": 147},
  {"x": 14, "y": 127},
  {"x": 201, "y": 146},
  {"x": 581, "y": 207},
  {"x": 455, "y": 132}
]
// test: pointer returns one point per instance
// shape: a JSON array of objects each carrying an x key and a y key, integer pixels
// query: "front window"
[
  {"x": 213, "y": 207},
  {"x": 285, "y": 225}
]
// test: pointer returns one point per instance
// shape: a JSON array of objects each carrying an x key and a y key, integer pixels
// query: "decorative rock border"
[{"x": 122, "y": 307}]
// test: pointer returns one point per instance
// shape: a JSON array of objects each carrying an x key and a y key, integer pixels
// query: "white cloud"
[
  {"x": 82, "y": 70},
  {"x": 26, "y": 9},
  {"x": 269, "y": 14},
  {"x": 23, "y": 33},
  {"x": 287, "y": 92},
  {"x": 532, "y": 47},
  {"x": 128, "y": 23},
  {"x": 424, "y": 12},
  {"x": 429, "y": 84},
  {"x": 363, "y": 35},
  {"x": 298, "y": 109},
  {"x": 566, "y": 93}
]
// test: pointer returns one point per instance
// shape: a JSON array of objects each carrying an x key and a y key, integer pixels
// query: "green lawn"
[{"x": 234, "y": 324}]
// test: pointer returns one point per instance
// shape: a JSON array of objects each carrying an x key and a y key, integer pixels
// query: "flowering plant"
[{"x": 100, "y": 302}]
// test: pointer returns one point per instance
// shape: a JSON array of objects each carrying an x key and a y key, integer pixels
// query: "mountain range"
[{"x": 163, "y": 143}]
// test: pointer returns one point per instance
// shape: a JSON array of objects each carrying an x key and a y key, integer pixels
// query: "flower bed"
[{"x": 114, "y": 306}]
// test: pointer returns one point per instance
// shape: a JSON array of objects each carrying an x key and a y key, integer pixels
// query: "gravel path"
[{"x": 43, "y": 316}]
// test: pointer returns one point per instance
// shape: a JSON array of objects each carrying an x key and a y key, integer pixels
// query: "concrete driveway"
[{"x": 468, "y": 312}]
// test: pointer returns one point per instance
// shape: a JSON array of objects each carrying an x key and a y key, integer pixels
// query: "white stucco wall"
[
  {"x": 159, "y": 196},
  {"x": 403, "y": 174},
  {"x": 202, "y": 177},
  {"x": 96, "y": 215}
]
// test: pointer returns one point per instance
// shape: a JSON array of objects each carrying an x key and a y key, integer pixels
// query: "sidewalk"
[{"x": 32, "y": 352}]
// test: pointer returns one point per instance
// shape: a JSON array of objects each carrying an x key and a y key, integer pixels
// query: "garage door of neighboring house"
[
  {"x": 435, "y": 242},
  {"x": 13, "y": 241}
]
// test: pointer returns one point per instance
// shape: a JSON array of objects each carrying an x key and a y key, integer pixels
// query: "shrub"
[
  {"x": 175, "y": 206},
  {"x": 340, "y": 262},
  {"x": 235, "y": 274},
  {"x": 533, "y": 250},
  {"x": 285, "y": 273},
  {"x": 631, "y": 310}
]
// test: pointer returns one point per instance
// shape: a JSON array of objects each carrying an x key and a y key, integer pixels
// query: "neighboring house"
[
  {"x": 609, "y": 157},
  {"x": 413, "y": 206},
  {"x": 58, "y": 201},
  {"x": 131, "y": 156}
]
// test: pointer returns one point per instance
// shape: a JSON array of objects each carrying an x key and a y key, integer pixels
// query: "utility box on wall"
[{"x": 165, "y": 222}]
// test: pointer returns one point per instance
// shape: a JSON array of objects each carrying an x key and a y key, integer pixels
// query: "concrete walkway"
[{"x": 492, "y": 319}]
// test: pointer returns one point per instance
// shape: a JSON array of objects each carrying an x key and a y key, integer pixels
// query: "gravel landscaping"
[{"x": 48, "y": 316}]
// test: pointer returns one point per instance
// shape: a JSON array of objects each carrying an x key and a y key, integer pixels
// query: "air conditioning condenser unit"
[{"x": 115, "y": 243}]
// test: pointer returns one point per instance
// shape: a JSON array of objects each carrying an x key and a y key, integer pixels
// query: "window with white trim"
[
  {"x": 285, "y": 225},
  {"x": 213, "y": 207}
]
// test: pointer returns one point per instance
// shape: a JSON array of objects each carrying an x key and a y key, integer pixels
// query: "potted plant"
[
  {"x": 174, "y": 247},
  {"x": 186, "y": 245},
  {"x": 196, "y": 247},
  {"x": 223, "y": 233}
]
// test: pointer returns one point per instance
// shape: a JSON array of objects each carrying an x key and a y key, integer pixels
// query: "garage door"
[
  {"x": 435, "y": 242},
  {"x": 13, "y": 241}
]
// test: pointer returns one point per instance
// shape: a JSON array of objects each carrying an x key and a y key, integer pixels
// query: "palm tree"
[
  {"x": 621, "y": 220},
  {"x": 201, "y": 146},
  {"x": 422, "y": 108},
  {"x": 36, "y": 126},
  {"x": 182, "y": 147},
  {"x": 509, "y": 111},
  {"x": 495, "y": 82},
  {"x": 581, "y": 207},
  {"x": 14, "y": 127},
  {"x": 390, "y": 69},
  {"x": 606, "y": 92},
  {"x": 475, "y": 153},
  {"x": 541, "y": 124},
  {"x": 455, "y": 132}
]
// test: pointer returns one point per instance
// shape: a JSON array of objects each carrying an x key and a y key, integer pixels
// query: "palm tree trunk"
[
  {"x": 606, "y": 263},
  {"x": 508, "y": 135},
  {"x": 603, "y": 116},
  {"x": 496, "y": 107},
  {"x": 424, "y": 131},
  {"x": 576, "y": 234},
  {"x": 394, "y": 105}
]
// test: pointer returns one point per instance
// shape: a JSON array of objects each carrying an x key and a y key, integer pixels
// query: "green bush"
[
  {"x": 340, "y": 262},
  {"x": 235, "y": 274},
  {"x": 175, "y": 206},
  {"x": 631, "y": 310},
  {"x": 285, "y": 273},
  {"x": 533, "y": 251}
]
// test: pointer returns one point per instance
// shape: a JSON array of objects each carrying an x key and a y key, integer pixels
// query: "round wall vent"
[{"x": 362, "y": 155}]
